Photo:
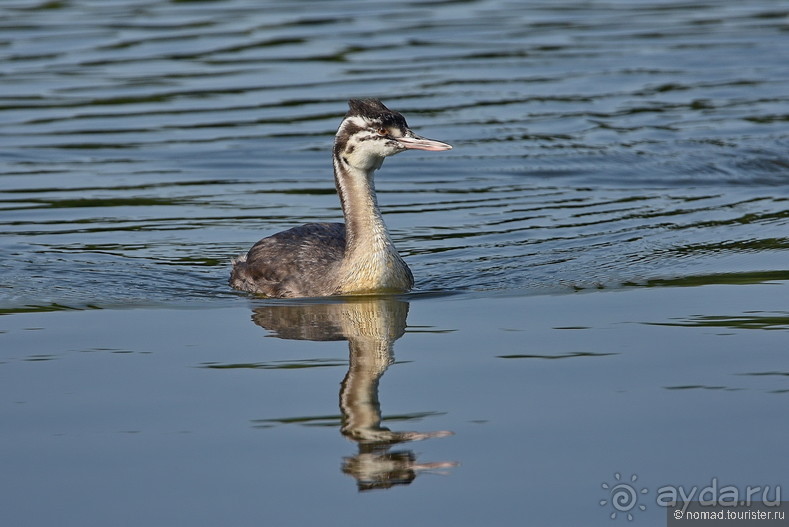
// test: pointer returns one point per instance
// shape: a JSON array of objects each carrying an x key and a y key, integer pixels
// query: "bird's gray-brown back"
[{"x": 295, "y": 262}]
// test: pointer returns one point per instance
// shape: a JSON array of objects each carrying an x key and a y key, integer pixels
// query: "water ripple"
[{"x": 596, "y": 145}]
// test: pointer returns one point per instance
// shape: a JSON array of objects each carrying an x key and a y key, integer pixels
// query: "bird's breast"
[{"x": 376, "y": 272}]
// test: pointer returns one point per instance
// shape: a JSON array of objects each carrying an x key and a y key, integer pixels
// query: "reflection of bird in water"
[
  {"x": 357, "y": 257},
  {"x": 371, "y": 353},
  {"x": 371, "y": 326}
]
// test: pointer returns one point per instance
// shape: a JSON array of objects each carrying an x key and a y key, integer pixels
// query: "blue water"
[{"x": 600, "y": 262}]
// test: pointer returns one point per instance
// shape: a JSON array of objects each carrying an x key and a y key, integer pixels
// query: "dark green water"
[{"x": 617, "y": 200}]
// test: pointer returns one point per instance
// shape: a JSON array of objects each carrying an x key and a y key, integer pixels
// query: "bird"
[{"x": 357, "y": 257}]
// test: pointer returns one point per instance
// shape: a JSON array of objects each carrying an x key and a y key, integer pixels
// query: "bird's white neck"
[
  {"x": 365, "y": 230},
  {"x": 371, "y": 261}
]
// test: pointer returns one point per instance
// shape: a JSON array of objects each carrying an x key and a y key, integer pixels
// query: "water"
[{"x": 601, "y": 262}]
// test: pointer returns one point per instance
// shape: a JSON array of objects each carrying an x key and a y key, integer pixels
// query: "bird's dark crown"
[{"x": 375, "y": 111}]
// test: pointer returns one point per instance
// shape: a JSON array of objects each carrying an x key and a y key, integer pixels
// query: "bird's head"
[{"x": 371, "y": 131}]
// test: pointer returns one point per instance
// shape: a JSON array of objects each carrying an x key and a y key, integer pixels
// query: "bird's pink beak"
[{"x": 414, "y": 142}]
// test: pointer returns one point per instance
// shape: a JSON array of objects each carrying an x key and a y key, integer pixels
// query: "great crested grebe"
[{"x": 357, "y": 257}]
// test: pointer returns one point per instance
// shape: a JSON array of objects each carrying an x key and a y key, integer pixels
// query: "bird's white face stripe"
[
  {"x": 357, "y": 125},
  {"x": 356, "y": 120}
]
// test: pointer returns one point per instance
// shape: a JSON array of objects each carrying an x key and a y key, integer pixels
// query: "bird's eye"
[{"x": 383, "y": 131}]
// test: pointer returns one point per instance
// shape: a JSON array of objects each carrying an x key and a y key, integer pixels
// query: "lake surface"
[{"x": 601, "y": 263}]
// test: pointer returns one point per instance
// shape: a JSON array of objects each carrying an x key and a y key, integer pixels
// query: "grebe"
[{"x": 357, "y": 257}]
